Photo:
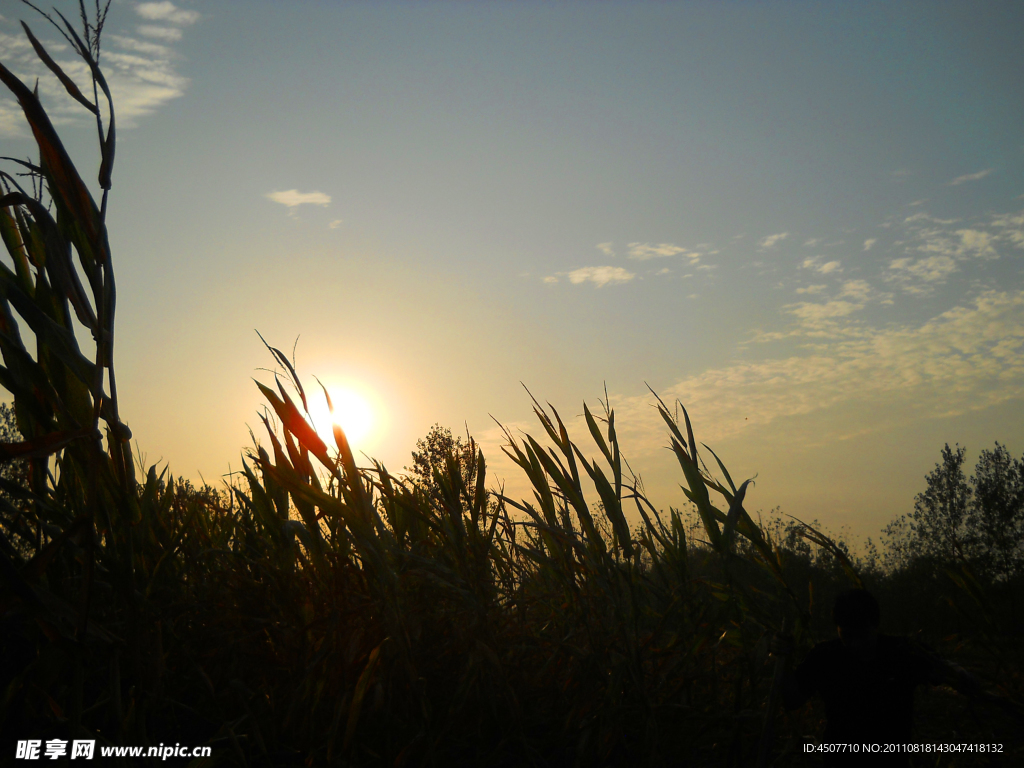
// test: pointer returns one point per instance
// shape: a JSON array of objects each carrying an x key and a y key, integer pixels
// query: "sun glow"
[{"x": 352, "y": 413}]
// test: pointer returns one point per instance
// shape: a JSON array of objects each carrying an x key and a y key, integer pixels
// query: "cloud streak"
[
  {"x": 166, "y": 11},
  {"x": 140, "y": 67},
  {"x": 918, "y": 275},
  {"x": 968, "y": 358},
  {"x": 292, "y": 198},
  {"x": 645, "y": 251},
  {"x": 970, "y": 177},
  {"x": 815, "y": 264},
  {"x": 600, "y": 276},
  {"x": 1010, "y": 228},
  {"x": 772, "y": 240},
  {"x": 168, "y": 34},
  {"x": 935, "y": 249}
]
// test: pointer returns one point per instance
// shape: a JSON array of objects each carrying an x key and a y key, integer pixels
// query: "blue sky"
[{"x": 804, "y": 220}]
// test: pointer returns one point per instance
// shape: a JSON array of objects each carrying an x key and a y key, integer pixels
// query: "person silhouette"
[{"x": 866, "y": 680}]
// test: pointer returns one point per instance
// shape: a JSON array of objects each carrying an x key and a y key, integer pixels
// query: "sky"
[{"x": 803, "y": 221}]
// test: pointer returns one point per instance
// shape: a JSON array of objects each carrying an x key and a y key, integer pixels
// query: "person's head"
[{"x": 857, "y": 616}]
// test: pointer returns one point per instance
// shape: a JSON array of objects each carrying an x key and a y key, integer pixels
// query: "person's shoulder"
[
  {"x": 914, "y": 658},
  {"x": 828, "y": 646},
  {"x": 814, "y": 667},
  {"x": 898, "y": 644},
  {"x": 893, "y": 641},
  {"x": 826, "y": 649}
]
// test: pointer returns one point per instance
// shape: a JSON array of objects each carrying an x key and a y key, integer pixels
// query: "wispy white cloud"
[
  {"x": 812, "y": 315},
  {"x": 606, "y": 249},
  {"x": 13, "y": 45},
  {"x": 292, "y": 198},
  {"x": 645, "y": 251},
  {"x": 977, "y": 243},
  {"x": 820, "y": 319},
  {"x": 925, "y": 216},
  {"x": 166, "y": 11},
  {"x": 142, "y": 74},
  {"x": 811, "y": 242},
  {"x": 600, "y": 276},
  {"x": 143, "y": 46},
  {"x": 968, "y": 358},
  {"x": 935, "y": 249},
  {"x": 336, "y": 223},
  {"x": 169, "y": 34},
  {"x": 970, "y": 177},
  {"x": 1011, "y": 228},
  {"x": 911, "y": 273},
  {"x": 550, "y": 280},
  {"x": 857, "y": 290},
  {"x": 771, "y": 240},
  {"x": 814, "y": 262}
]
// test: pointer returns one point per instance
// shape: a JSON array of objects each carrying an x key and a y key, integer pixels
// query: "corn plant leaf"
[
  {"x": 293, "y": 422},
  {"x": 64, "y": 182},
  {"x": 107, "y": 146},
  {"x": 359, "y": 694},
  {"x": 595, "y": 432},
  {"x": 66, "y": 81},
  {"x": 612, "y": 507},
  {"x": 15, "y": 243},
  {"x": 57, "y": 338},
  {"x": 721, "y": 466},
  {"x": 572, "y": 491},
  {"x": 735, "y": 510},
  {"x": 46, "y": 445},
  {"x": 823, "y": 541},
  {"x": 697, "y": 491}
]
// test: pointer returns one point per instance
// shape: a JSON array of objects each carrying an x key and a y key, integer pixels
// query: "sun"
[{"x": 352, "y": 413}]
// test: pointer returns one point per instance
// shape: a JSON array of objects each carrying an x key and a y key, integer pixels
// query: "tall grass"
[{"x": 316, "y": 611}]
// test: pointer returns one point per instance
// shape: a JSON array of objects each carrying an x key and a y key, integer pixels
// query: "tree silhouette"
[
  {"x": 433, "y": 453},
  {"x": 978, "y": 521}
]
